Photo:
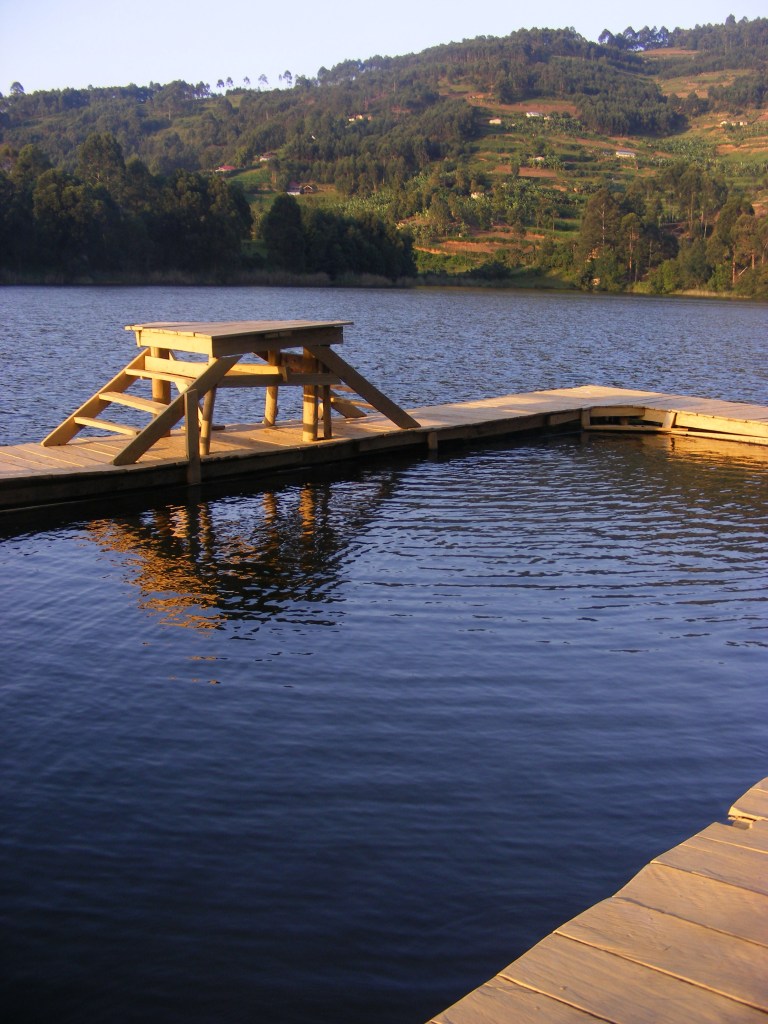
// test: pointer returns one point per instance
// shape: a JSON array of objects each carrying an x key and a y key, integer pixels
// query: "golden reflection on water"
[
  {"x": 733, "y": 454},
  {"x": 202, "y": 564},
  {"x": 255, "y": 557},
  {"x": 164, "y": 551}
]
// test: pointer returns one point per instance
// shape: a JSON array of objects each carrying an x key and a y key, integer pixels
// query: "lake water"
[{"x": 341, "y": 748}]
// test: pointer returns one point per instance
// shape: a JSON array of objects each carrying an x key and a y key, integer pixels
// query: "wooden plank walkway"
[
  {"x": 33, "y": 475},
  {"x": 686, "y": 940}
]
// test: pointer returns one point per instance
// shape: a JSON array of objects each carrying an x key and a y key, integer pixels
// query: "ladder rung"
[
  {"x": 133, "y": 401},
  {"x": 162, "y": 375},
  {"x": 115, "y": 428},
  {"x": 350, "y": 410}
]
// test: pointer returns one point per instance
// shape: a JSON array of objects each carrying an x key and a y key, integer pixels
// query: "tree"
[
  {"x": 631, "y": 232},
  {"x": 600, "y": 226},
  {"x": 283, "y": 234},
  {"x": 100, "y": 162},
  {"x": 29, "y": 165},
  {"x": 77, "y": 225}
]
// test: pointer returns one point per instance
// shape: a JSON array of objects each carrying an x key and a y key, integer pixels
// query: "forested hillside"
[{"x": 638, "y": 161}]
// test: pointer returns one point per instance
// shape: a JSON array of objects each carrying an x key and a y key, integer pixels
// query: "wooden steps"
[
  {"x": 685, "y": 940},
  {"x": 133, "y": 401},
  {"x": 109, "y": 425}
]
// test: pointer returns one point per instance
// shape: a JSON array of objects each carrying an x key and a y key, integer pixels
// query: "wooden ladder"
[{"x": 193, "y": 381}]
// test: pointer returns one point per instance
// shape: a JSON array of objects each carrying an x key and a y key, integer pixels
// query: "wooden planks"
[
  {"x": 735, "y": 865},
  {"x": 248, "y": 448},
  {"x": 621, "y": 990},
  {"x": 500, "y": 1000},
  {"x": 753, "y": 805},
  {"x": 685, "y": 940},
  {"x": 717, "y": 962},
  {"x": 226, "y": 339}
]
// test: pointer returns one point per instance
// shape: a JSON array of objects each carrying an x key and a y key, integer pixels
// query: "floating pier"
[
  {"x": 685, "y": 940},
  {"x": 182, "y": 366}
]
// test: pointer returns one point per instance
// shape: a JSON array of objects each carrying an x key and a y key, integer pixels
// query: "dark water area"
[{"x": 341, "y": 747}]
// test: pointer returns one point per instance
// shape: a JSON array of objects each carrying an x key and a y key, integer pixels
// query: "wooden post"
[
  {"x": 205, "y": 434},
  {"x": 192, "y": 424},
  {"x": 309, "y": 413},
  {"x": 161, "y": 389},
  {"x": 327, "y": 425},
  {"x": 270, "y": 402}
]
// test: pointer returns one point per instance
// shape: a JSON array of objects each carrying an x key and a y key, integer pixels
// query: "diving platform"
[{"x": 165, "y": 435}]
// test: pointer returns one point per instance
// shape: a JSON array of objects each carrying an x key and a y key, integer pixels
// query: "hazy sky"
[{"x": 50, "y": 44}]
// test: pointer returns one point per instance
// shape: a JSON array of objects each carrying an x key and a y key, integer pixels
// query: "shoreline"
[{"x": 263, "y": 279}]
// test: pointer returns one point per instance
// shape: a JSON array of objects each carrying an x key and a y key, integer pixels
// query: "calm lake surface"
[{"x": 340, "y": 748}]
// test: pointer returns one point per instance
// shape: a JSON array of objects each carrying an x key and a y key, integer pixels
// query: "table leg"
[
  {"x": 205, "y": 433},
  {"x": 270, "y": 402},
  {"x": 309, "y": 415},
  {"x": 327, "y": 426},
  {"x": 161, "y": 389},
  {"x": 192, "y": 424}
]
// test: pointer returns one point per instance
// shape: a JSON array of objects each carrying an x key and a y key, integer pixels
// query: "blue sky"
[{"x": 47, "y": 44}]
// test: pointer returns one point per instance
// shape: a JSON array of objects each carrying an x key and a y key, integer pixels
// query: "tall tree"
[
  {"x": 100, "y": 162},
  {"x": 284, "y": 236}
]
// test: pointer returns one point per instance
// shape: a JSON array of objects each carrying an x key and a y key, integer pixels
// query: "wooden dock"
[
  {"x": 168, "y": 440},
  {"x": 32, "y": 474},
  {"x": 686, "y": 940}
]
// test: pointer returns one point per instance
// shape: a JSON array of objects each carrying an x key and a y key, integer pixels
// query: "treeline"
[
  {"x": 380, "y": 113},
  {"x": 317, "y": 240},
  {"x": 714, "y": 243},
  {"x": 112, "y": 217},
  {"x": 733, "y": 45},
  {"x": 744, "y": 40},
  {"x": 364, "y": 124},
  {"x": 684, "y": 229}
]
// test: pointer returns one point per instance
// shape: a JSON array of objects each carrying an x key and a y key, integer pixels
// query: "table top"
[{"x": 223, "y": 338}]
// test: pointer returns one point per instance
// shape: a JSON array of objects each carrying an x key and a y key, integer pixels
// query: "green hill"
[{"x": 639, "y": 161}]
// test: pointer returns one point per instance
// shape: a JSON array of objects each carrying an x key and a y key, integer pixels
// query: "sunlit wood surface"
[
  {"x": 686, "y": 940},
  {"x": 32, "y": 474}
]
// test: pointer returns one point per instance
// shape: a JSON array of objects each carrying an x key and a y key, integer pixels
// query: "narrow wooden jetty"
[
  {"x": 685, "y": 940},
  {"x": 182, "y": 366}
]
